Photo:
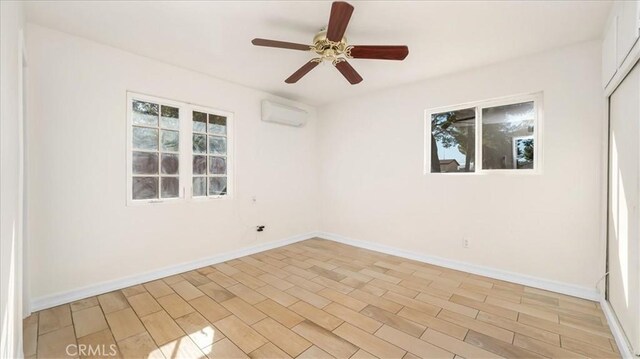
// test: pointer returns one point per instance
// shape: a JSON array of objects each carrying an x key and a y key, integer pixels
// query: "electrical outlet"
[{"x": 465, "y": 243}]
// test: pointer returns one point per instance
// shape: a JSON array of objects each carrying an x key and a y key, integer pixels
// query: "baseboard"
[
  {"x": 108, "y": 286},
  {"x": 554, "y": 286},
  {"x": 616, "y": 330},
  {"x": 535, "y": 282}
]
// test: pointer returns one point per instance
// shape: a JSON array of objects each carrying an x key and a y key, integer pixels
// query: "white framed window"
[
  {"x": 484, "y": 137},
  {"x": 211, "y": 164},
  {"x": 176, "y": 151}
]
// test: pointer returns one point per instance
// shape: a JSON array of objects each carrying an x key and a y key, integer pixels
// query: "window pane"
[
  {"x": 170, "y": 141},
  {"x": 145, "y": 163},
  {"x": 217, "y": 165},
  {"x": 217, "y": 125},
  {"x": 145, "y": 113},
  {"x": 145, "y": 187},
  {"x": 199, "y": 165},
  {"x": 217, "y": 145},
  {"x": 170, "y": 164},
  {"x": 145, "y": 138},
  {"x": 507, "y": 136},
  {"x": 523, "y": 148},
  {"x": 170, "y": 187},
  {"x": 169, "y": 117},
  {"x": 199, "y": 186},
  {"x": 199, "y": 143},
  {"x": 199, "y": 121},
  {"x": 217, "y": 186},
  {"x": 453, "y": 141}
]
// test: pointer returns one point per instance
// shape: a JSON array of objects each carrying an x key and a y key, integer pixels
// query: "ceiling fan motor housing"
[{"x": 327, "y": 49}]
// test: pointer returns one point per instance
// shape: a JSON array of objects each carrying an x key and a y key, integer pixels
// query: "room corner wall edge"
[
  {"x": 616, "y": 329},
  {"x": 535, "y": 282},
  {"x": 108, "y": 286}
]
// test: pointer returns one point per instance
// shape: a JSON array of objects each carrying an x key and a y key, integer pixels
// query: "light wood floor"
[{"x": 320, "y": 299}]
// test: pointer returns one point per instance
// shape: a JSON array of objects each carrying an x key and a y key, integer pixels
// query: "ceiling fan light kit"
[{"x": 331, "y": 45}]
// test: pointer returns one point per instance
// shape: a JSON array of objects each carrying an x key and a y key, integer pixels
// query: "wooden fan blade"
[
  {"x": 338, "y": 20},
  {"x": 302, "y": 71},
  {"x": 385, "y": 52},
  {"x": 280, "y": 44},
  {"x": 348, "y": 72}
]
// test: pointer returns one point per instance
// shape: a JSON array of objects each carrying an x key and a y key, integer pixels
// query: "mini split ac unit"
[{"x": 283, "y": 114}]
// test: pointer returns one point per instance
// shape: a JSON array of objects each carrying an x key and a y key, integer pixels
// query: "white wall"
[
  {"x": 81, "y": 232},
  {"x": 547, "y": 226},
  {"x": 358, "y": 174},
  {"x": 11, "y": 22}
]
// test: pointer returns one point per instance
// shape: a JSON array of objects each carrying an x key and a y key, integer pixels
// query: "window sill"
[{"x": 488, "y": 173}]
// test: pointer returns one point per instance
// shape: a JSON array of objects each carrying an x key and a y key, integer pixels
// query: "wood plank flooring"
[{"x": 321, "y": 299}]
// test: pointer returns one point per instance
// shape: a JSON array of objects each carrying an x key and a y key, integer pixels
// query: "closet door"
[{"x": 624, "y": 216}]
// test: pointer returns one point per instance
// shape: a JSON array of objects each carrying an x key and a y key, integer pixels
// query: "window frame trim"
[
  {"x": 185, "y": 153},
  {"x": 478, "y": 106}
]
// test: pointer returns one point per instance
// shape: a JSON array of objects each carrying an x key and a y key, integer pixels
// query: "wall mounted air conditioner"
[{"x": 283, "y": 114}]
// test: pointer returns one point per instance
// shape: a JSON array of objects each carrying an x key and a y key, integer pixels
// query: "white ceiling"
[{"x": 214, "y": 37}]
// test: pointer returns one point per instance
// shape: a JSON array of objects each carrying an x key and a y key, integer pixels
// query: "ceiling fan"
[{"x": 331, "y": 45}]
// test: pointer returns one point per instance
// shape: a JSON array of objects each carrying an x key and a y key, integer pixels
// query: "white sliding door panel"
[{"x": 624, "y": 195}]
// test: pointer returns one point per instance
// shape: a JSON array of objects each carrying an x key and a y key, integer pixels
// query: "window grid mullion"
[
  {"x": 479, "y": 128},
  {"x": 159, "y": 153}
]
